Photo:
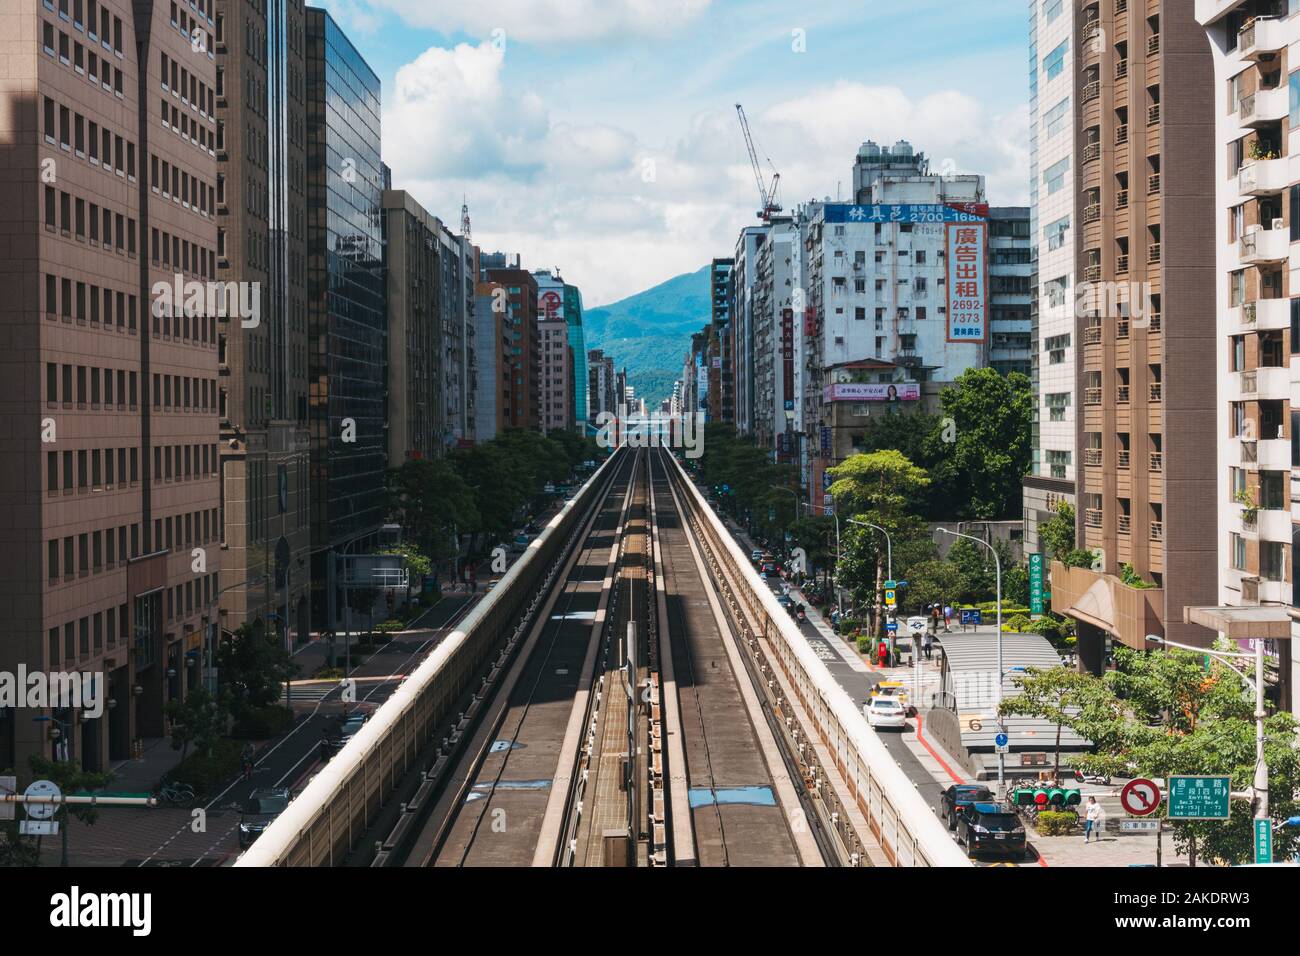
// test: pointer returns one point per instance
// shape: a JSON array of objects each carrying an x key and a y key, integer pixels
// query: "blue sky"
[{"x": 600, "y": 136}]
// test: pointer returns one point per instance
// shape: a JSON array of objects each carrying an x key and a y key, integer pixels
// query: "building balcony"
[
  {"x": 1264, "y": 246},
  {"x": 1091, "y": 151},
  {"x": 1092, "y": 517},
  {"x": 1121, "y": 134},
  {"x": 1263, "y": 107},
  {"x": 1121, "y": 265},
  {"x": 1121, "y": 394},
  {"x": 1274, "y": 524},
  {"x": 1153, "y": 114},
  {"x": 1153, "y": 252},
  {"x": 1261, "y": 38},
  {"x": 1155, "y": 392},
  {"x": 1092, "y": 396},
  {"x": 1157, "y": 531},
  {"x": 1266, "y": 382},
  {"x": 1092, "y": 273},
  {"x": 1092, "y": 335},
  {"x": 1268, "y": 454},
  {"x": 1121, "y": 199},
  {"x": 1265, "y": 314},
  {"x": 1153, "y": 45},
  {"x": 1263, "y": 177},
  {"x": 1124, "y": 523},
  {"x": 1092, "y": 456},
  {"x": 1092, "y": 213},
  {"x": 1121, "y": 69},
  {"x": 1122, "y": 458},
  {"x": 1153, "y": 184}
]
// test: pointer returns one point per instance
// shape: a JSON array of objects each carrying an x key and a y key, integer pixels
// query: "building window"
[
  {"x": 1055, "y": 232},
  {"x": 1237, "y": 545},
  {"x": 1054, "y": 62},
  {"x": 1054, "y": 175},
  {"x": 1057, "y": 118}
]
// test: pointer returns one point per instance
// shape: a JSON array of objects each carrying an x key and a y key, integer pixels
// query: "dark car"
[
  {"x": 960, "y": 796},
  {"x": 261, "y": 808},
  {"x": 347, "y": 729},
  {"x": 991, "y": 826}
]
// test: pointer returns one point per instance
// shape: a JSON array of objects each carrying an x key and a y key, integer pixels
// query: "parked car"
[
  {"x": 992, "y": 826},
  {"x": 959, "y": 796},
  {"x": 886, "y": 712},
  {"x": 261, "y": 808},
  {"x": 347, "y": 730},
  {"x": 756, "y": 556}
]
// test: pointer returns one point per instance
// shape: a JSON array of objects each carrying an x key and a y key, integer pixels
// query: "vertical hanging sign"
[{"x": 966, "y": 281}]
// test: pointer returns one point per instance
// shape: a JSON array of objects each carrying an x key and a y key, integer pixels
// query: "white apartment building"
[
  {"x": 555, "y": 376},
  {"x": 1256, "y": 50},
  {"x": 1053, "y": 227}
]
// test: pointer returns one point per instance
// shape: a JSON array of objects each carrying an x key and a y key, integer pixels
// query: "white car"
[{"x": 886, "y": 712}]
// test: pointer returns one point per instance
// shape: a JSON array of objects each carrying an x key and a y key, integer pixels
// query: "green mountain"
[{"x": 650, "y": 332}]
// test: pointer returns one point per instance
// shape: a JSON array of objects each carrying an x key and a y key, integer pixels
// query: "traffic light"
[{"x": 1045, "y": 796}]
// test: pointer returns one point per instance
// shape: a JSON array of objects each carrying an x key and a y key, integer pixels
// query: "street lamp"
[
  {"x": 1002, "y": 760},
  {"x": 889, "y": 559},
  {"x": 1260, "y": 785}
]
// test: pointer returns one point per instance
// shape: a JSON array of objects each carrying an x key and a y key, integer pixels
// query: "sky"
[{"x": 600, "y": 137}]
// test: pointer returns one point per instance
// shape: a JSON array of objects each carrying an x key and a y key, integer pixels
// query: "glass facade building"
[
  {"x": 573, "y": 315},
  {"x": 346, "y": 306}
]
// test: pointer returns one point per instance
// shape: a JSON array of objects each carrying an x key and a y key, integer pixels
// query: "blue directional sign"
[
  {"x": 1001, "y": 740},
  {"x": 891, "y": 626}
]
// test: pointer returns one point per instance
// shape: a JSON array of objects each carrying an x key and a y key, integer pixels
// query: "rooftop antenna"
[{"x": 464, "y": 217}]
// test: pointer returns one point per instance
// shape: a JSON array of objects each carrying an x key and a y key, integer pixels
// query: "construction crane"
[{"x": 767, "y": 194}]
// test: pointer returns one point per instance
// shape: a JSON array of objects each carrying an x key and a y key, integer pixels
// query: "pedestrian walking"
[
  {"x": 1091, "y": 819},
  {"x": 947, "y": 617},
  {"x": 246, "y": 761},
  {"x": 928, "y": 645}
]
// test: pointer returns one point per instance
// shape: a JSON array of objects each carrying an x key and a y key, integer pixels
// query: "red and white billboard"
[{"x": 967, "y": 281}]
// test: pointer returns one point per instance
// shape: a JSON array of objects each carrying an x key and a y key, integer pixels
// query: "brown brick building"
[
  {"x": 1144, "y": 122},
  {"x": 109, "y": 495}
]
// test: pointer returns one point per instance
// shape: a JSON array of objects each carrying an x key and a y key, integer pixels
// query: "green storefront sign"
[
  {"x": 1199, "y": 798},
  {"x": 1035, "y": 584}
]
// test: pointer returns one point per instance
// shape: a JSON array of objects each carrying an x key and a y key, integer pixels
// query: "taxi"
[{"x": 891, "y": 688}]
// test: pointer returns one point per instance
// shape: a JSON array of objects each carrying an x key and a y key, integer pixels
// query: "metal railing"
[
  {"x": 1157, "y": 461},
  {"x": 1155, "y": 391},
  {"x": 1157, "y": 531},
  {"x": 1121, "y": 134}
]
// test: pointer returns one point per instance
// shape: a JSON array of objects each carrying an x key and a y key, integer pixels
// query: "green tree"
[
  {"x": 1056, "y": 534},
  {"x": 982, "y": 457},
  {"x": 934, "y": 582},
  {"x": 253, "y": 667},
  {"x": 199, "y": 719},
  {"x": 70, "y": 778},
  {"x": 1167, "y": 713},
  {"x": 1054, "y": 694},
  {"x": 979, "y": 571},
  {"x": 882, "y": 488},
  {"x": 429, "y": 498}
]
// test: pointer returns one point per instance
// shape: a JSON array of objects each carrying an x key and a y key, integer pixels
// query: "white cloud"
[
  {"x": 619, "y": 214},
  {"x": 548, "y": 21}
]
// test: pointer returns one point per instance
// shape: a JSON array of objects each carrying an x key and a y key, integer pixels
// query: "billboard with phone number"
[{"x": 966, "y": 281}]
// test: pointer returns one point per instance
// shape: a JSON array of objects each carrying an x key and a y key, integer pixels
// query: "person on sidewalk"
[
  {"x": 947, "y": 618},
  {"x": 246, "y": 761},
  {"x": 927, "y": 643},
  {"x": 1091, "y": 819}
]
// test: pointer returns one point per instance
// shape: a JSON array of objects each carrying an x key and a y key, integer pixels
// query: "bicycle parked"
[{"x": 177, "y": 794}]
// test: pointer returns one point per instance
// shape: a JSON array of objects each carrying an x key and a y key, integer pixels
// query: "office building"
[{"x": 110, "y": 490}]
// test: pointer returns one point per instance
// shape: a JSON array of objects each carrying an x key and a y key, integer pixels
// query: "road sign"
[
  {"x": 41, "y": 788},
  {"x": 1140, "y": 797},
  {"x": 38, "y": 827},
  {"x": 891, "y": 626},
  {"x": 890, "y": 597},
  {"x": 1035, "y": 584},
  {"x": 971, "y": 616},
  {"x": 891, "y": 584},
  {"x": 1139, "y": 826},
  {"x": 1001, "y": 741},
  {"x": 1263, "y": 841},
  {"x": 1199, "y": 797}
]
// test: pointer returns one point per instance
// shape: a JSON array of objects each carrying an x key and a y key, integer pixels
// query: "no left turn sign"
[{"x": 1140, "y": 797}]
